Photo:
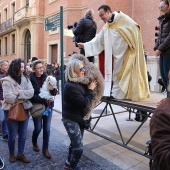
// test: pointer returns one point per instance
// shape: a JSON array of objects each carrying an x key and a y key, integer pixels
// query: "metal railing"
[{"x": 6, "y": 25}]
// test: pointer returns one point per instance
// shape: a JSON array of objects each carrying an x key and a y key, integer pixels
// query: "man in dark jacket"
[
  {"x": 160, "y": 135},
  {"x": 86, "y": 30},
  {"x": 162, "y": 46}
]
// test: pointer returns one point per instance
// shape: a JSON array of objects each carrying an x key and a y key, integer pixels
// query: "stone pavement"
[
  {"x": 99, "y": 154},
  {"x": 58, "y": 147}
]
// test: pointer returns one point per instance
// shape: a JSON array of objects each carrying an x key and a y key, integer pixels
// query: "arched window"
[{"x": 27, "y": 46}]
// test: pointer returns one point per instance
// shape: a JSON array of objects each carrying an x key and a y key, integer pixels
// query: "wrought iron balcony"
[{"x": 6, "y": 25}]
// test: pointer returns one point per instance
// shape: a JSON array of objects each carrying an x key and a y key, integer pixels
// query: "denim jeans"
[
  {"x": 14, "y": 128},
  {"x": 4, "y": 125},
  {"x": 4, "y": 128},
  {"x": 76, "y": 146},
  {"x": 164, "y": 63},
  {"x": 39, "y": 122}
]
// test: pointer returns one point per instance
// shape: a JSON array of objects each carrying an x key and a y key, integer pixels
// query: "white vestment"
[{"x": 115, "y": 46}]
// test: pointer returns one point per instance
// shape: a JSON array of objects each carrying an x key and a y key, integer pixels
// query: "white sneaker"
[
  {"x": 164, "y": 92},
  {"x": 4, "y": 139}
]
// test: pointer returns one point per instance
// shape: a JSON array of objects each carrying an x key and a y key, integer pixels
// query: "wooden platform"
[{"x": 148, "y": 104}]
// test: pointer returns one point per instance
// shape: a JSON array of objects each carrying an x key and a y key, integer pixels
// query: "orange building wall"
[{"x": 143, "y": 12}]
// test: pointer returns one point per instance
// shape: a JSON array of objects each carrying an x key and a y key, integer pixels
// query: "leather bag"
[
  {"x": 17, "y": 112},
  {"x": 37, "y": 110}
]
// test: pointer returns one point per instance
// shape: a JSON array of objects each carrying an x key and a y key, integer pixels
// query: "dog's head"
[{"x": 51, "y": 80}]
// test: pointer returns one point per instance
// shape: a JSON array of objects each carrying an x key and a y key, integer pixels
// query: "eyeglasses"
[
  {"x": 82, "y": 69},
  {"x": 39, "y": 68},
  {"x": 161, "y": 7},
  {"x": 101, "y": 15}
]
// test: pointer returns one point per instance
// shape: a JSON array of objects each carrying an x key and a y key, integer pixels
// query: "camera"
[{"x": 70, "y": 26}]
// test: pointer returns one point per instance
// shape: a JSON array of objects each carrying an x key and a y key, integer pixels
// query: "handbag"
[
  {"x": 17, "y": 112},
  {"x": 37, "y": 110}
]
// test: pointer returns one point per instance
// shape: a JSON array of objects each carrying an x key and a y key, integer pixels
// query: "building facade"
[{"x": 22, "y": 32}]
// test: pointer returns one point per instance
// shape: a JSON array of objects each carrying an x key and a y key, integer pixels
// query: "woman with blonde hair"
[
  {"x": 77, "y": 99},
  {"x": 37, "y": 77},
  {"x": 4, "y": 65}
]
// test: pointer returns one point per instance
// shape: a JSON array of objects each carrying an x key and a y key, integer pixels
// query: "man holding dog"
[{"x": 124, "y": 62}]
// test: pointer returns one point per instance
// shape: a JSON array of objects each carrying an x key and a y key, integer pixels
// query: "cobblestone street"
[{"x": 58, "y": 148}]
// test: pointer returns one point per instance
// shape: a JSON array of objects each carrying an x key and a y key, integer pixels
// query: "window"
[
  {"x": 5, "y": 14},
  {"x": 27, "y": 2},
  {"x": 51, "y": 1},
  {"x": 0, "y": 48},
  {"x": 6, "y": 47},
  {"x": 13, "y": 8},
  {"x": 13, "y": 43}
]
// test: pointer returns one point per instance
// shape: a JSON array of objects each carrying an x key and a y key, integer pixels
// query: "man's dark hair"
[
  {"x": 34, "y": 58},
  {"x": 105, "y": 7}
]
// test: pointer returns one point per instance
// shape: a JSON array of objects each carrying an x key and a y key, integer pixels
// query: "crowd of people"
[{"x": 24, "y": 82}]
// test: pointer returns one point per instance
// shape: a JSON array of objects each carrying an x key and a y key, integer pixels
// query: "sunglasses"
[
  {"x": 161, "y": 7},
  {"x": 82, "y": 69}
]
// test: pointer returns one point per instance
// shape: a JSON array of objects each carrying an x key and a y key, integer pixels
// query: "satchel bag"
[
  {"x": 17, "y": 112},
  {"x": 37, "y": 110}
]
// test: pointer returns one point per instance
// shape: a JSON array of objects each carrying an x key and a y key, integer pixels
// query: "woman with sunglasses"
[
  {"x": 77, "y": 99},
  {"x": 162, "y": 47}
]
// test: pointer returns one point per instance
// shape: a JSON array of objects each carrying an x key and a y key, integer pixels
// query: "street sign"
[{"x": 52, "y": 22}]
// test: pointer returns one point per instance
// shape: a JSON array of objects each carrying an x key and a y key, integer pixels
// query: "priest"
[{"x": 124, "y": 61}]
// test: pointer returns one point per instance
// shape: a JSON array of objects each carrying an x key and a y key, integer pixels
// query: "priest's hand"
[
  {"x": 80, "y": 45},
  {"x": 157, "y": 53}
]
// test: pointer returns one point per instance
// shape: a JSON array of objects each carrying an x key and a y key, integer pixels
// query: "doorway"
[
  {"x": 27, "y": 46},
  {"x": 54, "y": 53}
]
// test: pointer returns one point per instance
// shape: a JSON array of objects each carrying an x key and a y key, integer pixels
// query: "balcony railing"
[
  {"x": 6, "y": 25},
  {"x": 21, "y": 14}
]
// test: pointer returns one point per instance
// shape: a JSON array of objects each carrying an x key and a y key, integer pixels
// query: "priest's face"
[{"x": 105, "y": 15}]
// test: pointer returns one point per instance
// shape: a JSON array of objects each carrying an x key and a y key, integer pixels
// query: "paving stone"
[{"x": 58, "y": 148}]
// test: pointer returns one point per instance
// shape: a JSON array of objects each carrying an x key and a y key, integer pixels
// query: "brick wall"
[{"x": 142, "y": 11}]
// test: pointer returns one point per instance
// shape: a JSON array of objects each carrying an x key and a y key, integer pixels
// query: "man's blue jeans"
[
  {"x": 14, "y": 128},
  {"x": 4, "y": 129},
  {"x": 164, "y": 63},
  {"x": 4, "y": 126},
  {"x": 39, "y": 122}
]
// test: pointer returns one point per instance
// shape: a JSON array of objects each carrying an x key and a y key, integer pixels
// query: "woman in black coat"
[{"x": 77, "y": 99}]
